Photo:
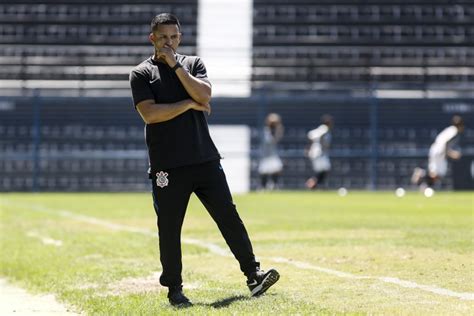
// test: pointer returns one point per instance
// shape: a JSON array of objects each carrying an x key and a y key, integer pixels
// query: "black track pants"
[{"x": 208, "y": 182}]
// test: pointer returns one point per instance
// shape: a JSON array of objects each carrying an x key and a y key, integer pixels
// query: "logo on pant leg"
[{"x": 161, "y": 179}]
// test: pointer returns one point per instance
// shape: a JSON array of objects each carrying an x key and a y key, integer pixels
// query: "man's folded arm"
[{"x": 152, "y": 112}]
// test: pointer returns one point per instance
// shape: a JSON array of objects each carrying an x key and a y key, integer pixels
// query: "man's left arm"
[
  {"x": 199, "y": 89},
  {"x": 453, "y": 153}
]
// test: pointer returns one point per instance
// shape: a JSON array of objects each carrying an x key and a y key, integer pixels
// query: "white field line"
[
  {"x": 118, "y": 227},
  {"x": 224, "y": 252},
  {"x": 45, "y": 240},
  {"x": 402, "y": 283},
  {"x": 308, "y": 266}
]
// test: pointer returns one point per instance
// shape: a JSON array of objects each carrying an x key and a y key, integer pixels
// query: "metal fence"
[{"x": 97, "y": 143}]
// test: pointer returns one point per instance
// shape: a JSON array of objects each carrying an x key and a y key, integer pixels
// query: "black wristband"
[{"x": 178, "y": 65}]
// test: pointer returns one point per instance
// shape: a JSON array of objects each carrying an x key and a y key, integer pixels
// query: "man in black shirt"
[{"x": 172, "y": 94}]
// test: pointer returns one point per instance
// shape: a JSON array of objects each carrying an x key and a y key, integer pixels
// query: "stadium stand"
[
  {"x": 61, "y": 148},
  {"x": 342, "y": 45},
  {"x": 65, "y": 68},
  {"x": 81, "y": 44}
]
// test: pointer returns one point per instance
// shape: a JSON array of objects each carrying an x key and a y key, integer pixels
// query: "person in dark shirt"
[{"x": 171, "y": 92}]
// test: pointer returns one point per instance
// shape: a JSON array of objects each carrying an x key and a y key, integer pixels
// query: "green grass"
[{"x": 104, "y": 271}]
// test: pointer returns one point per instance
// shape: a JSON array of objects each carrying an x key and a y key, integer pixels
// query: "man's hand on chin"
[{"x": 166, "y": 54}]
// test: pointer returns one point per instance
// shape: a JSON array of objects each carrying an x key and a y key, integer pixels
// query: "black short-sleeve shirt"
[{"x": 183, "y": 140}]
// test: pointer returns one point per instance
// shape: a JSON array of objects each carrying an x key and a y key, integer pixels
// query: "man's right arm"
[
  {"x": 149, "y": 110},
  {"x": 152, "y": 112}
]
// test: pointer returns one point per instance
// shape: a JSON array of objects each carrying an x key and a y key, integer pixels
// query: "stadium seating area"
[
  {"x": 303, "y": 45},
  {"x": 342, "y": 45},
  {"x": 52, "y": 146},
  {"x": 81, "y": 44},
  {"x": 309, "y": 58},
  {"x": 48, "y": 145}
]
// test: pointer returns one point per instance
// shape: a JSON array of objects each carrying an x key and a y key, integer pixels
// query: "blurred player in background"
[
  {"x": 445, "y": 146},
  {"x": 172, "y": 92},
  {"x": 319, "y": 151},
  {"x": 270, "y": 164}
]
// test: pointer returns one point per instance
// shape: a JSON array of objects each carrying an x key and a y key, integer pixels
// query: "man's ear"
[{"x": 152, "y": 38}]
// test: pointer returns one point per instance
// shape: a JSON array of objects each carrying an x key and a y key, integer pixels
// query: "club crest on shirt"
[{"x": 162, "y": 179}]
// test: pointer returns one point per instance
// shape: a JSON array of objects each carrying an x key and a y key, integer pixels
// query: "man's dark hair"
[
  {"x": 457, "y": 121},
  {"x": 327, "y": 119},
  {"x": 164, "y": 19}
]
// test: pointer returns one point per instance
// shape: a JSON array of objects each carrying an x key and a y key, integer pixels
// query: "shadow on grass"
[
  {"x": 222, "y": 303},
  {"x": 228, "y": 301}
]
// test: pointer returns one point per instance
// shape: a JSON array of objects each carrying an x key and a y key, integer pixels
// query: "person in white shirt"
[
  {"x": 444, "y": 147},
  {"x": 270, "y": 165},
  {"x": 319, "y": 151}
]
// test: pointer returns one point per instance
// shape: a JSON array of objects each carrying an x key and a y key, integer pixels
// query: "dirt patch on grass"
[{"x": 148, "y": 284}]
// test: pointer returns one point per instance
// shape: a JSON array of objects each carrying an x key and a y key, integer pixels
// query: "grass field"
[{"x": 365, "y": 253}]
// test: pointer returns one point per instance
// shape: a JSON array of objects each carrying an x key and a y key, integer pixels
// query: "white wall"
[
  {"x": 233, "y": 142},
  {"x": 224, "y": 43}
]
